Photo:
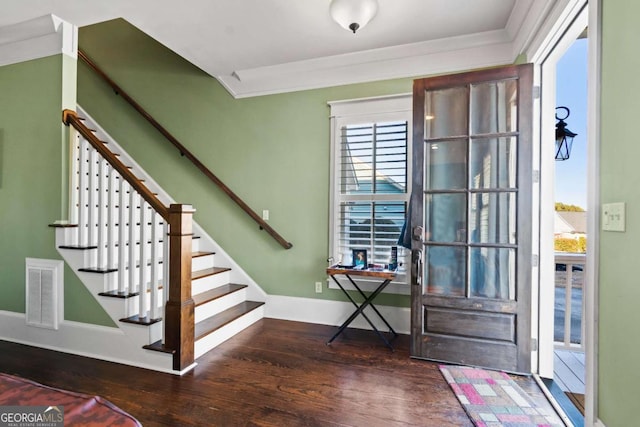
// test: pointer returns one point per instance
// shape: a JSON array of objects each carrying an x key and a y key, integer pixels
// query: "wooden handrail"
[
  {"x": 186, "y": 153},
  {"x": 70, "y": 117}
]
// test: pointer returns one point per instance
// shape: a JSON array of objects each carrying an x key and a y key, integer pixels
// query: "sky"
[{"x": 571, "y": 92}]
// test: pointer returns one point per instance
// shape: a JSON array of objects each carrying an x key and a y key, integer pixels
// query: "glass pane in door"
[
  {"x": 492, "y": 218},
  {"x": 446, "y": 218},
  {"x": 492, "y": 163},
  {"x": 446, "y": 113},
  {"x": 492, "y": 273},
  {"x": 446, "y": 165},
  {"x": 445, "y": 271},
  {"x": 494, "y": 107}
]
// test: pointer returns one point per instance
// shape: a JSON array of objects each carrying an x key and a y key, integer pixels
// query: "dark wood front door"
[{"x": 471, "y": 218}]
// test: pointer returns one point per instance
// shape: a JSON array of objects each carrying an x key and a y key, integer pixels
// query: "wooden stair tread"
[
  {"x": 136, "y": 319},
  {"x": 215, "y": 293},
  {"x": 208, "y": 272},
  {"x": 63, "y": 225},
  {"x": 211, "y": 324},
  {"x": 118, "y": 294},
  {"x": 159, "y": 346},
  {"x": 78, "y": 247},
  {"x": 99, "y": 270},
  {"x": 201, "y": 253}
]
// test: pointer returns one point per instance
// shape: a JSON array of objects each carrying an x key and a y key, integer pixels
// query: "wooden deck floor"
[
  {"x": 569, "y": 370},
  {"x": 275, "y": 373}
]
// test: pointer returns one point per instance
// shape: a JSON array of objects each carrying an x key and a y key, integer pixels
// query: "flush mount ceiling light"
[{"x": 353, "y": 14}]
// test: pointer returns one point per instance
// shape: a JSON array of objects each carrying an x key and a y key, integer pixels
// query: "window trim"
[{"x": 345, "y": 112}]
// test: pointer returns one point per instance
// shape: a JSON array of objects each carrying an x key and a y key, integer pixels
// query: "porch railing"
[{"x": 569, "y": 305}]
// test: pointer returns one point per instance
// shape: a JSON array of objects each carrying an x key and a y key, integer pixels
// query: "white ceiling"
[{"x": 256, "y": 47}]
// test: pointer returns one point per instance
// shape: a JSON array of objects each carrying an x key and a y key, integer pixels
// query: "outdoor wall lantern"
[
  {"x": 564, "y": 137},
  {"x": 353, "y": 14}
]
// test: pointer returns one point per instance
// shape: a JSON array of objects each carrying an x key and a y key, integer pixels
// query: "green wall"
[
  {"x": 619, "y": 346},
  {"x": 273, "y": 151},
  {"x": 33, "y": 178}
]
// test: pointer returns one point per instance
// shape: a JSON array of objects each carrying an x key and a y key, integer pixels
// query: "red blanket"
[{"x": 79, "y": 409}]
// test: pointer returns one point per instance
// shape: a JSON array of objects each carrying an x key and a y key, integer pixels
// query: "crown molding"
[
  {"x": 411, "y": 60},
  {"x": 554, "y": 21},
  {"x": 37, "y": 38},
  {"x": 528, "y": 21}
]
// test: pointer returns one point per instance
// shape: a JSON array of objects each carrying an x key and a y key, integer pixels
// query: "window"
[{"x": 371, "y": 176}]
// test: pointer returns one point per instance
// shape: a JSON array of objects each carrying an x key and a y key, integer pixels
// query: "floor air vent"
[{"x": 44, "y": 292}]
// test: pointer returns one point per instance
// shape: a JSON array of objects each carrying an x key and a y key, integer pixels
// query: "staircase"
[{"x": 117, "y": 242}]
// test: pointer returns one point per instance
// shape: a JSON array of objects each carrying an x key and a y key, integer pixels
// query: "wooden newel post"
[{"x": 179, "y": 312}]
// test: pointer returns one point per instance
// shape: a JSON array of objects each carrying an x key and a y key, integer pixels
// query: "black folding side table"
[{"x": 385, "y": 275}]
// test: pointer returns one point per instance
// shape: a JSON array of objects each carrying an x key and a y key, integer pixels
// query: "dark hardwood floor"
[{"x": 275, "y": 373}]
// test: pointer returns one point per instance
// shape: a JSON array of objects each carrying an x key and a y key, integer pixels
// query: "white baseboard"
[
  {"x": 111, "y": 344},
  {"x": 97, "y": 342},
  {"x": 599, "y": 423},
  {"x": 334, "y": 313}
]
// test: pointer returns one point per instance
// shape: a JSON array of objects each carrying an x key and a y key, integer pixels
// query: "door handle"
[
  {"x": 418, "y": 234},
  {"x": 416, "y": 267}
]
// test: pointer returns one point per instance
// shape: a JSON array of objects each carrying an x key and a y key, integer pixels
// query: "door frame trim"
[{"x": 557, "y": 26}]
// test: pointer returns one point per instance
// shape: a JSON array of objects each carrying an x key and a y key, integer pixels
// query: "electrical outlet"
[{"x": 318, "y": 287}]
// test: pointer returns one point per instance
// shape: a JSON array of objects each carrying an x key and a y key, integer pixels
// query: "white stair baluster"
[
  {"x": 165, "y": 260},
  {"x": 144, "y": 255},
  {"x": 91, "y": 211},
  {"x": 101, "y": 220},
  {"x": 111, "y": 216},
  {"x": 132, "y": 239},
  {"x": 74, "y": 181},
  {"x": 122, "y": 234},
  {"x": 83, "y": 184},
  {"x": 153, "y": 303}
]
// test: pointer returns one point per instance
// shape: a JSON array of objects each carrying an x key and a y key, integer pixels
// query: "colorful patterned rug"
[{"x": 493, "y": 399}]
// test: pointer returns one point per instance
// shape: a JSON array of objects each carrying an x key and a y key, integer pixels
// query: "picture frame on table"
[{"x": 359, "y": 259}]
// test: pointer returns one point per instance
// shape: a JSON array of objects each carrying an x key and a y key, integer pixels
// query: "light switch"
[
  {"x": 613, "y": 216},
  {"x": 265, "y": 214}
]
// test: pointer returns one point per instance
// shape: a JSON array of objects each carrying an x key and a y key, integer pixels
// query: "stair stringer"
[{"x": 207, "y": 243}]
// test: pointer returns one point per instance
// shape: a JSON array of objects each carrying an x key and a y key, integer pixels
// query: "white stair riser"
[
  {"x": 218, "y": 305},
  {"x": 202, "y": 262},
  {"x": 96, "y": 283},
  {"x": 156, "y": 332},
  {"x": 143, "y": 333},
  {"x": 221, "y": 335},
  {"x": 210, "y": 282},
  {"x": 116, "y": 307},
  {"x": 66, "y": 235},
  {"x": 74, "y": 257},
  {"x": 131, "y": 305}
]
